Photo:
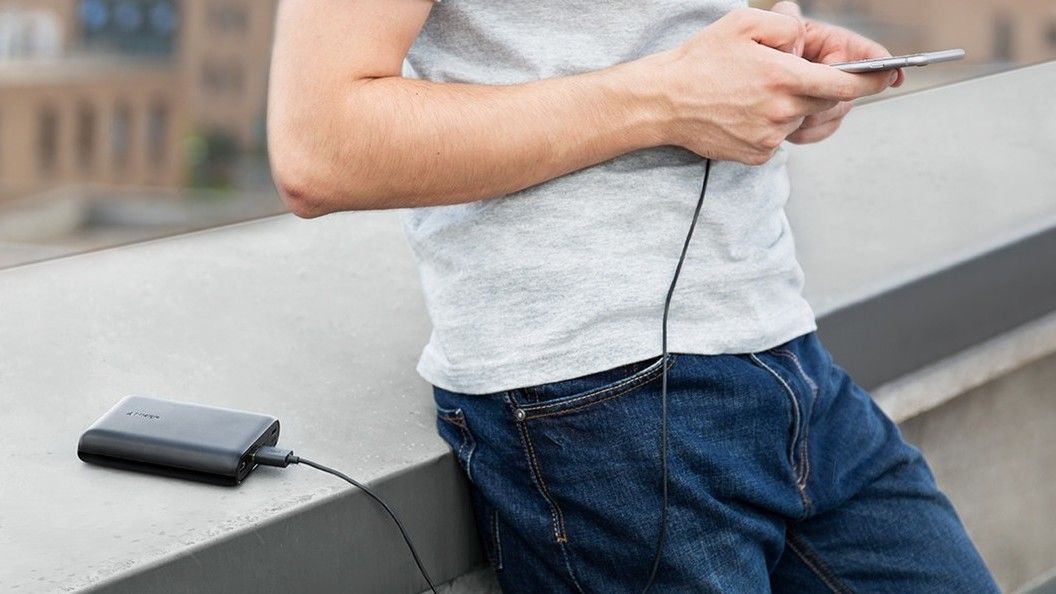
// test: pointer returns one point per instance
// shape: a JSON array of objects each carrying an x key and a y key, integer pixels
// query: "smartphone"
[{"x": 881, "y": 64}]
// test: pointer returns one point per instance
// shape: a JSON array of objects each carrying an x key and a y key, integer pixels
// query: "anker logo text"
[{"x": 136, "y": 413}]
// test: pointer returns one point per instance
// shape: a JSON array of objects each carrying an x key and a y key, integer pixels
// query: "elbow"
[
  {"x": 300, "y": 186},
  {"x": 310, "y": 188},
  {"x": 300, "y": 198}
]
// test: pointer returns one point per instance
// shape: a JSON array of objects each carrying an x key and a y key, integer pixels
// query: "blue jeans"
[{"x": 784, "y": 476}]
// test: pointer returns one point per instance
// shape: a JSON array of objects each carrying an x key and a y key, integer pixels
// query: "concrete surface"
[
  {"x": 320, "y": 323},
  {"x": 936, "y": 384},
  {"x": 993, "y": 451},
  {"x": 317, "y": 323},
  {"x": 917, "y": 183}
]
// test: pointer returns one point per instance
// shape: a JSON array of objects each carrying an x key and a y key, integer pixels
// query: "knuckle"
[
  {"x": 770, "y": 142},
  {"x": 846, "y": 92},
  {"x": 779, "y": 79},
  {"x": 753, "y": 159},
  {"x": 783, "y": 111},
  {"x": 738, "y": 17}
]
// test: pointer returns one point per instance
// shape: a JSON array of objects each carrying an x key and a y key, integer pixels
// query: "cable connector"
[{"x": 272, "y": 456}]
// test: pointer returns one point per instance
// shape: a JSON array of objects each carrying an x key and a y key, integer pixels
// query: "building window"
[
  {"x": 227, "y": 17},
  {"x": 86, "y": 124},
  {"x": 129, "y": 26},
  {"x": 128, "y": 16},
  {"x": 120, "y": 135},
  {"x": 48, "y": 140},
  {"x": 157, "y": 133},
  {"x": 220, "y": 78}
]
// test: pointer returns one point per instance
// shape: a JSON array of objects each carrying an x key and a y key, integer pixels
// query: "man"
[{"x": 552, "y": 153}]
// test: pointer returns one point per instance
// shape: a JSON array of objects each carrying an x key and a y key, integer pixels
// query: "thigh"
[
  {"x": 898, "y": 535},
  {"x": 879, "y": 523},
  {"x": 567, "y": 477}
]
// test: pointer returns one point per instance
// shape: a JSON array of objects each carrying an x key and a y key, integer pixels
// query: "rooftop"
[{"x": 927, "y": 229}]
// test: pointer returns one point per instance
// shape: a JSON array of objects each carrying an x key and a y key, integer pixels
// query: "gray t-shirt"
[{"x": 568, "y": 277}]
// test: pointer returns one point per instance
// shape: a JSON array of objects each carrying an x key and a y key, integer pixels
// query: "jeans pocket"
[
  {"x": 454, "y": 429},
  {"x": 575, "y": 395},
  {"x": 452, "y": 426}
]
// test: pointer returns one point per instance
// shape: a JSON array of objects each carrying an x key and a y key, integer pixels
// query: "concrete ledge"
[
  {"x": 993, "y": 452},
  {"x": 936, "y": 384},
  {"x": 896, "y": 332},
  {"x": 320, "y": 323},
  {"x": 328, "y": 544}
]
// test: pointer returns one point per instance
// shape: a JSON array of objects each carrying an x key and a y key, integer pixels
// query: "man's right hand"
[{"x": 737, "y": 89}]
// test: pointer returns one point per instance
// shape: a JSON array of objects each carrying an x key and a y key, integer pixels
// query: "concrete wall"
[{"x": 993, "y": 451}]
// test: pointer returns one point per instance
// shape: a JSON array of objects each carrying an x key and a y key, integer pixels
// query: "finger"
[
  {"x": 836, "y": 113},
  {"x": 826, "y": 82},
  {"x": 808, "y": 107},
  {"x": 853, "y": 47},
  {"x": 774, "y": 30},
  {"x": 791, "y": 9},
  {"x": 900, "y": 79},
  {"x": 814, "y": 134},
  {"x": 787, "y": 7}
]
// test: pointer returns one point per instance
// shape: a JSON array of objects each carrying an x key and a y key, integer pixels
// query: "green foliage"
[{"x": 212, "y": 158}]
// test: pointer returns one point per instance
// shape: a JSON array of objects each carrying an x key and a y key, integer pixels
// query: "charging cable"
[
  {"x": 281, "y": 458},
  {"x": 663, "y": 381}
]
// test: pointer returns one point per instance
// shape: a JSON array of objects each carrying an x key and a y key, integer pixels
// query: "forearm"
[
  {"x": 346, "y": 132},
  {"x": 392, "y": 142}
]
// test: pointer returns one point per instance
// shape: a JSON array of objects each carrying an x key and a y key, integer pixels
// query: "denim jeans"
[{"x": 784, "y": 476}]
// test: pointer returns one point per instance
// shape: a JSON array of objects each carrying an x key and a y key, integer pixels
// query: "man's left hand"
[{"x": 829, "y": 44}]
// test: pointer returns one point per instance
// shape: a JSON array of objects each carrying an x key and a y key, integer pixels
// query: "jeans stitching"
[
  {"x": 537, "y": 477},
  {"x": 796, "y": 468},
  {"x": 790, "y": 355},
  {"x": 495, "y": 538},
  {"x": 652, "y": 368},
  {"x": 467, "y": 438},
  {"x": 621, "y": 388},
  {"x": 795, "y": 404},
  {"x": 555, "y": 512},
  {"x": 457, "y": 418},
  {"x": 816, "y": 565},
  {"x": 804, "y": 453}
]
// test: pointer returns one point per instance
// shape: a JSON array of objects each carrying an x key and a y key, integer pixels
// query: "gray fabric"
[{"x": 568, "y": 278}]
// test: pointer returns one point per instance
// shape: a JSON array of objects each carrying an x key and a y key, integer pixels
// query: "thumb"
[{"x": 791, "y": 9}]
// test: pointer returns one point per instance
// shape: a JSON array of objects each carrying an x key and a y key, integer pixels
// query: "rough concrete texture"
[{"x": 993, "y": 451}]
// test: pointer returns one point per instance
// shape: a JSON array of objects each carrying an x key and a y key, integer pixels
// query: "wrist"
[{"x": 650, "y": 98}]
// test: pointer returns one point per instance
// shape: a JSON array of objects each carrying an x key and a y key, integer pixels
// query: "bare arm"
[{"x": 347, "y": 132}]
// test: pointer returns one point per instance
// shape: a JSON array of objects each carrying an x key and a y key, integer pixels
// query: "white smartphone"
[{"x": 881, "y": 64}]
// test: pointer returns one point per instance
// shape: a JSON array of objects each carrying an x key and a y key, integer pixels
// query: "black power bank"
[{"x": 177, "y": 439}]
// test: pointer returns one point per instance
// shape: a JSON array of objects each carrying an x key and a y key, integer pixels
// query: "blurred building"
[
  {"x": 992, "y": 31},
  {"x": 107, "y": 91}
]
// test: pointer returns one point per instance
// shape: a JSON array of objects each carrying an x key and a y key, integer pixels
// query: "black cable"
[
  {"x": 271, "y": 456},
  {"x": 663, "y": 381}
]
